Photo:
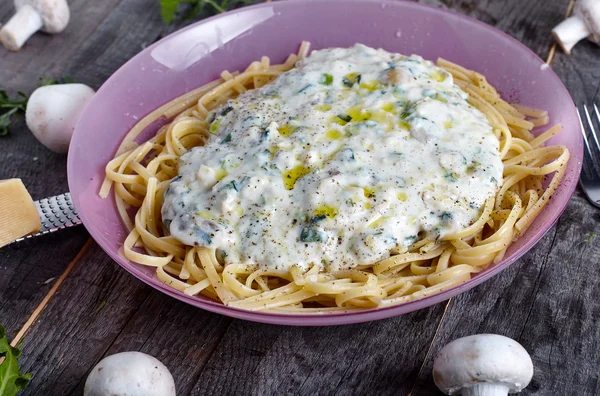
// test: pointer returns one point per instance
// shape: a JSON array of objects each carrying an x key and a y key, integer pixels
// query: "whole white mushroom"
[
  {"x": 585, "y": 22},
  {"x": 482, "y": 365},
  {"x": 129, "y": 374},
  {"x": 53, "y": 111},
  {"x": 50, "y": 16}
]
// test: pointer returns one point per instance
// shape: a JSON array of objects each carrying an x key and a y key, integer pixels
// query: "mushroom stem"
[
  {"x": 20, "y": 27},
  {"x": 485, "y": 389},
  {"x": 569, "y": 32}
]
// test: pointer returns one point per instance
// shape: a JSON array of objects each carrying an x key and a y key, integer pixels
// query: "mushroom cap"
[
  {"x": 53, "y": 111},
  {"x": 482, "y": 358},
  {"x": 55, "y": 14},
  {"x": 589, "y": 12},
  {"x": 129, "y": 374}
]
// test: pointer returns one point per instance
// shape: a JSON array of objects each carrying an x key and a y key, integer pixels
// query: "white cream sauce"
[{"x": 354, "y": 153}]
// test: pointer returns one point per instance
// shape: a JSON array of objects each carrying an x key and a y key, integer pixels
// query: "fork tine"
[
  {"x": 590, "y": 166},
  {"x": 591, "y": 124},
  {"x": 590, "y": 173},
  {"x": 597, "y": 114},
  {"x": 585, "y": 139}
]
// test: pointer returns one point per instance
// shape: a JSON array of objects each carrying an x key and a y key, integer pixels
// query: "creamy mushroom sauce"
[{"x": 352, "y": 155}]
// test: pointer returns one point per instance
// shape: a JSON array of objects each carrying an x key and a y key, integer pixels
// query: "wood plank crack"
[
  {"x": 36, "y": 313},
  {"x": 536, "y": 285},
  {"x": 366, "y": 333},
  {"x": 210, "y": 354},
  {"x": 426, "y": 357},
  {"x": 131, "y": 316},
  {"x": 19, "y": 285}
]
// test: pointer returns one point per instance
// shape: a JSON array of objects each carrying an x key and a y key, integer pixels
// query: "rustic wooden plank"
[
  {"x": 48, "y": 55},
  {"x": 545, "y": 299},
  {"x": 27, "y": 266},
  {"x": 530, "y": 22},
  {"x": 491, "y": 307},
  {"x": 580, "y": 73},
  {"x": 96, "y": 302},
  {"x": 88, "y": 312},
  {"x": 28, "y": 270},
  {"x": 117, "y": 40},
  {"x": 101, "y": 56},
  {"x": 148, "y": 329},
  {"x": 206, "y": 351},
  {"x": 101, "y": 309},
  {"x": 356, "y": 359},
  {"x": 562, "y": 328},
  {"x": 181, "y": 336}
]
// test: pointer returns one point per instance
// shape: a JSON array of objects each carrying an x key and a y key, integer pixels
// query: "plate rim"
[{"x": 339, "y": 318}]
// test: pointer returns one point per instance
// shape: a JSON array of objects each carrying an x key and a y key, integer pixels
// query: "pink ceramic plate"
[{"x": 197, "y": 54}]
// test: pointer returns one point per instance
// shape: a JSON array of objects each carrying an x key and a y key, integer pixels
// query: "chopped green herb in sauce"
[{"x": 351, "y": 154}]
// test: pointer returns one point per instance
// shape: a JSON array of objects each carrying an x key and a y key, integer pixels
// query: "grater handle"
[{"x": 55, "y": 213}]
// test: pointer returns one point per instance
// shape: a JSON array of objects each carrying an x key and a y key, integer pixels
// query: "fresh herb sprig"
[
  {"x": 51, "y": 81},
  {"x": 11, "y": 107},
  {"x": 11, "y": 378},
  {"x": 169, "y": 8}
]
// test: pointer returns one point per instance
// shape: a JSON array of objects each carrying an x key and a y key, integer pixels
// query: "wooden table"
[{"x": 548, "y": 300}]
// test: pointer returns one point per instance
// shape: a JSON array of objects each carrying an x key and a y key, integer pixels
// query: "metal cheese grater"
[{"x": 55, "y": 213}]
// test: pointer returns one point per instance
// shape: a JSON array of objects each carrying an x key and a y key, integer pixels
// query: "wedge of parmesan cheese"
[{"x": 18, "y": 214}]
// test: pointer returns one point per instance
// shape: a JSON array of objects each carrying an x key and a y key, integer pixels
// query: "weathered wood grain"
[
  {"x": 580, "y": 72},
  {"x": 364, "y": 358},
  {"x": 179, "y": 335},
  {"x": 491, "y": 307},
  {"x": 90, "y": 309},
  {"x": 25, "y": 267},
  {"x": 28, "y": 270},
  {"x": 530, "y": 22},
  {"x": 50, "y": 55},
  {"x": 534, "y": 312},
  {"x": 155, "y": 335},
  {"x": 97, "y": 312},
  {"x": 557, "y": 319},
  {"x": 543, "y": 302},
  {"x": 560, "y": 326}
]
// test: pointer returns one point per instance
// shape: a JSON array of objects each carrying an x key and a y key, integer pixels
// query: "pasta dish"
[{"x": 352, "y": 178}]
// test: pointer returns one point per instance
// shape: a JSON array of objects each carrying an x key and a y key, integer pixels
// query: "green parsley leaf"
[
  {"x": 169, "y": 8},
  {"x": 451, "y": 177},
  {"x": 11, "y": 378},
  {"x": 51, "y": 81},
  {"x": 20, "y": 102},
  {"x": 5, "y": 121},
  {"x": 226, "y": 139},
  {"x": 47, "y": 81},
  {"x": 9, "y": 108},
  {"x": 446, "y": 216}
]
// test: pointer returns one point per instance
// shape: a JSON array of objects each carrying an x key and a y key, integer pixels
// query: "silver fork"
[{"x": 590, "y": 175}]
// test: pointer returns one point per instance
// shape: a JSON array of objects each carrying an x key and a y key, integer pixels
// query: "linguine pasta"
[{"x": 140, "y": 174}]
